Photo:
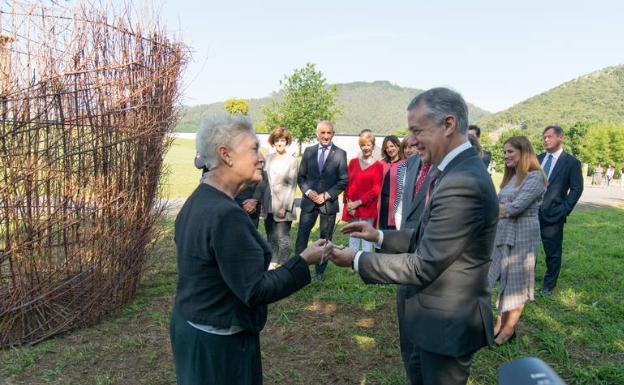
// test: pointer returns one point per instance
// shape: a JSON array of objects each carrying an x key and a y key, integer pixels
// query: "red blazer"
[{"x": 364, "y": 185}]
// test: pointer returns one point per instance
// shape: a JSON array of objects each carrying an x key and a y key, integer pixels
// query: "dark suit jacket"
[
  {"x": 256, "y": 192},
  {"x": 565, "y": 187},
  {"x": 446, "y": 260},
  {"x": 413, "y": 206},
  {"x": 332, "y": 180},
  {"x": 487, "y": 158}
]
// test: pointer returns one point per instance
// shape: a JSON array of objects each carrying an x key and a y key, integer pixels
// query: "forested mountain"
[
  {"x": 595, "y": 97},
  {"x": 379, "y": 106}
]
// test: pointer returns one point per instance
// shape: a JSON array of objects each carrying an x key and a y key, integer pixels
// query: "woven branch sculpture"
[{"x": 87, "y": 99}]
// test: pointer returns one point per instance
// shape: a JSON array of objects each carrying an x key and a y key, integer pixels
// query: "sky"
[{"x": 496, "y": 53}]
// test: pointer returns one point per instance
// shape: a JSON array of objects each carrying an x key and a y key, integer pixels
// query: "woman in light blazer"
[
  {"x": 517, "y": 234},
  {"x": 279, "y": 196}
]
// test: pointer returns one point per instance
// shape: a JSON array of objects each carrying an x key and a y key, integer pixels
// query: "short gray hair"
[
  {"x": 442, "y": 102},
  {"x": 216, "y": 130},
  {"x": 325, "y": 123}
]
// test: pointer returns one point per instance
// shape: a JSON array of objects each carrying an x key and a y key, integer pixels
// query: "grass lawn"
[
  {"x": 344, "y": 332},
  {"x": 180, "y": 177}
]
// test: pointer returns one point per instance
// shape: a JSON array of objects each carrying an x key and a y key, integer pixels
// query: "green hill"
[
  {"x": 379, "y": 106},
  {"x": 595, "y": 97}
]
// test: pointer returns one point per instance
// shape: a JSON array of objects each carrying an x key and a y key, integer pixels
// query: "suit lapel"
[
  {"x": 330, "y": 156},
  {"x": 466, "y": 154},
  {"x": 422, "y": 193},
  {"x": 458, "y": 159},
  {"x": 315, "y": 157},
  {"x": 410, "y": 178}
]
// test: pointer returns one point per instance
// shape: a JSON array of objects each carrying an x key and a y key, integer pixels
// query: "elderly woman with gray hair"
[{"x": 223, "y": 285}]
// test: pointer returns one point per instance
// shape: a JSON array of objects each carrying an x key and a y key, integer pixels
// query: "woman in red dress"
[{"x": 362, "y": 192}]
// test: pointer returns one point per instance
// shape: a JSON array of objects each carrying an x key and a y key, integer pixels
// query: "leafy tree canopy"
[
  {"x": 306, "y": 99},
  {"x": 237, "y": 106}
]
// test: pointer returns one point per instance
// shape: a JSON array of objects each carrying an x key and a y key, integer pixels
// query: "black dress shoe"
[
  {"x": 320, "y": 277},
  {"x": 545, "y": 292}
]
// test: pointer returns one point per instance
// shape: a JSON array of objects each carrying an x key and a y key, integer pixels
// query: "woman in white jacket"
[{"x": 279, "y": 197}]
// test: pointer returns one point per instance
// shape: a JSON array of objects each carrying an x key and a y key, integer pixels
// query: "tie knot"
[{"x": 426, "y": 167}]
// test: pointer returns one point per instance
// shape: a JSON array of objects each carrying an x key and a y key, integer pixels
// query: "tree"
[
  {"x": 237, "y": 106},
  {"x": 575, "y": 136},
  {"x": 307, "y": 99}
]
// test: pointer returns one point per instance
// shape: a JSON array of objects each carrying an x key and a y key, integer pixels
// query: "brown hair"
[
  {"x": 394, "y": 140},
  {"x": 528, "y": 161},
  {"x": 366, "y": 135},
  {"x": 280, "y": 132},
  {"x": 474, "y": 141}
]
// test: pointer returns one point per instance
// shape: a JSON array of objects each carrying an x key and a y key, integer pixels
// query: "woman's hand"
[
  {"x": 352, "y": 205},
  {"x": 501, "y": 210},
  {"x": 281, "y": 213},
  {"x": 315, "y": 253}
]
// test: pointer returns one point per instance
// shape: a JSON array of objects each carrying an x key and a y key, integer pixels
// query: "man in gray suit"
[{"x": 447, "y": 314}]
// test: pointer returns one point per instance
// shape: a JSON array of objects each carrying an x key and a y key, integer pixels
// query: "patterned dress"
[{"x": 517, "y": 241}]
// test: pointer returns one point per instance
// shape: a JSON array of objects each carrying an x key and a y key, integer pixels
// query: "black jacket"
[
  {"x": 222, "y": 265},
  {"x": 332, "y": 180},
  {"x": 565, "y": 187}
]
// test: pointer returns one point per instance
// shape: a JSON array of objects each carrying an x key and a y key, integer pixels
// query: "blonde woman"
[{"x": 517, "y": 234}]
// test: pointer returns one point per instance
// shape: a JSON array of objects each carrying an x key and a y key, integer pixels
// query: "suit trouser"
[
  {"x": 202, "y": 358},
  {"x": 552, "y": 240},
  {"x": 307, "y": 219},
  {"x": 427, "y": 368}
]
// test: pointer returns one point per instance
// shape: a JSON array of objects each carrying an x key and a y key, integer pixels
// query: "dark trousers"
[
  {"x": 278, "y": 234},
  {"x": 203, "y": 358},
  {"x": 427, "y": 368},
  {"x": 552, "y": 240},
  {"x": 255, "y": 217},
  {"x": 306, "y": 222}
]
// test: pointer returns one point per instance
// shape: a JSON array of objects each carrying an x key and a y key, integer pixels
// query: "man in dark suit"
[
  {"x": 565, "y": 186},
  {"x": 323, "y": 175},
  {"x": 250, "y": 198},
  {"x": 476, "y": 131},
  {"x": 447, "y": 317}
]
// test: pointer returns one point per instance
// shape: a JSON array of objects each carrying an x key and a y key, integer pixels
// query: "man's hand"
[
  {"x": 362, "y": 230},
  {"x": 315, "y": 197},
  {"x": 249, "y": 205},
  {"x": 342, "y": 256},
  {"x": 281, "y": 213}
]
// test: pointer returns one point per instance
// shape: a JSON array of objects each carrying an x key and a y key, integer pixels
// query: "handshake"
[{"x": 323, "y": 249}]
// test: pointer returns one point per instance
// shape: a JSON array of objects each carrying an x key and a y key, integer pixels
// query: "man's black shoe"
[
  {"x": 545, "y": 292},
  {"x": 320, "y": 277}
]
